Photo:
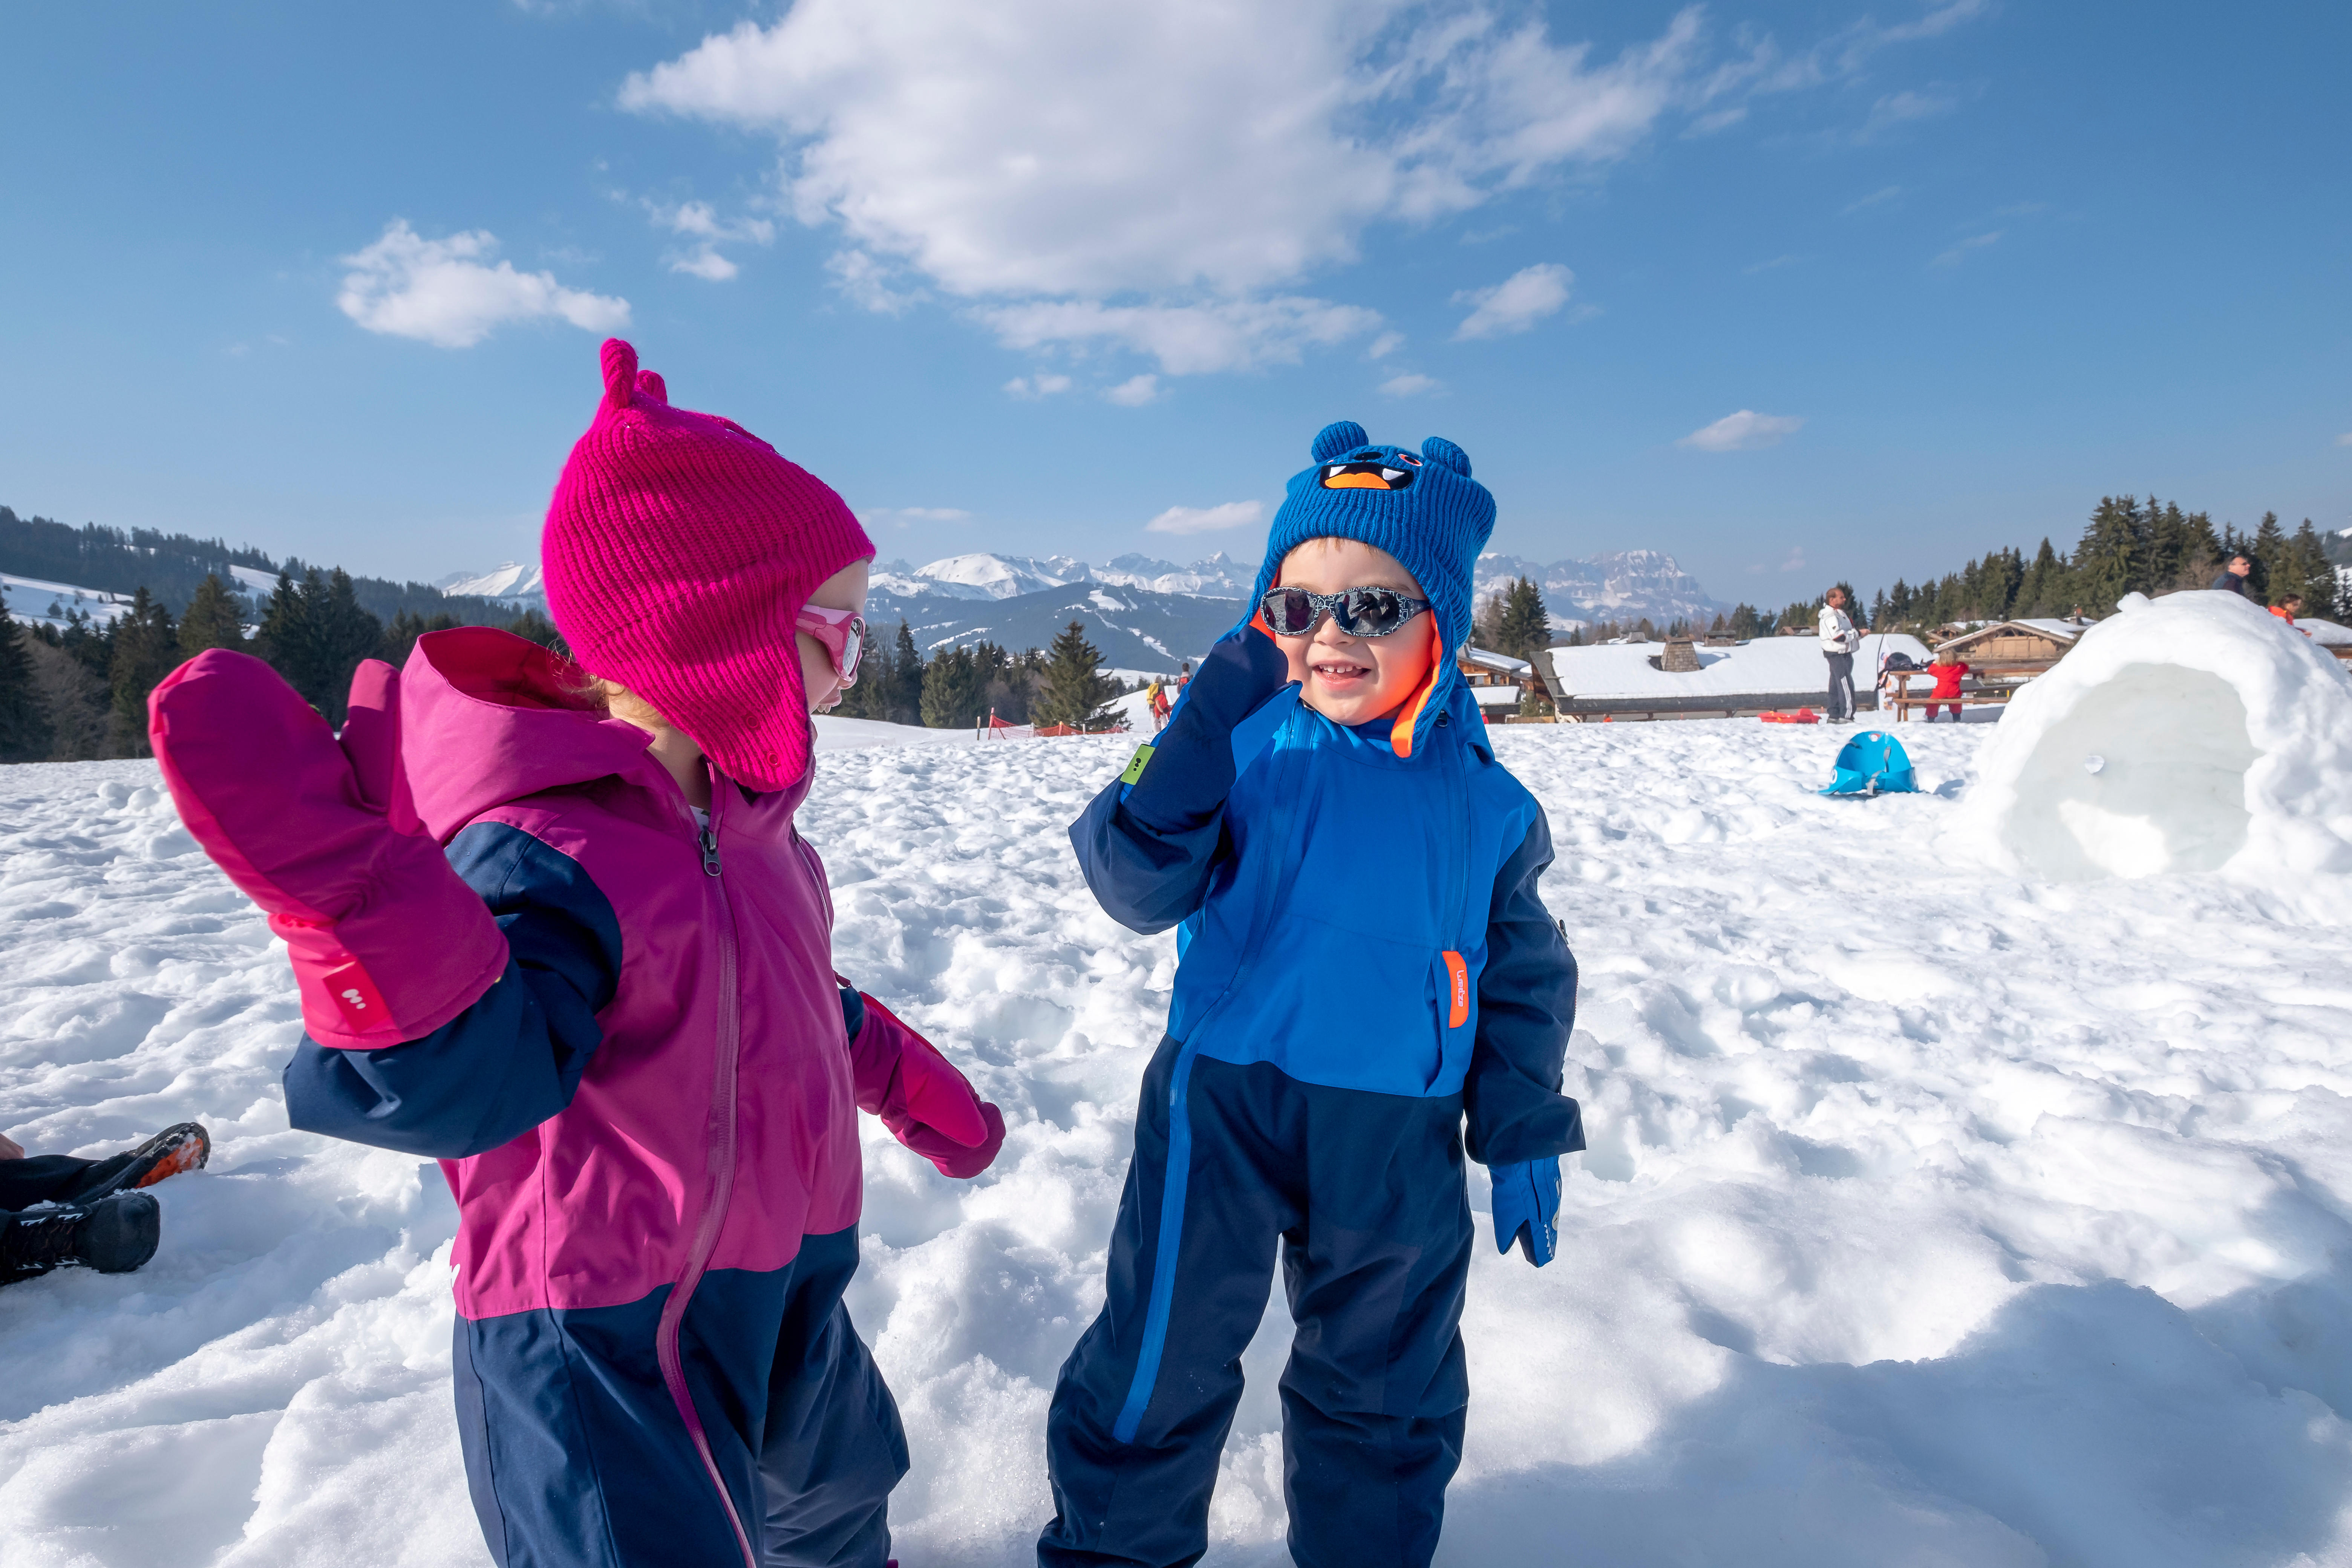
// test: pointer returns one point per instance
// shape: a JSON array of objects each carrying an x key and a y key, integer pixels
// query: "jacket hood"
[{"x": 487, "y": 717}]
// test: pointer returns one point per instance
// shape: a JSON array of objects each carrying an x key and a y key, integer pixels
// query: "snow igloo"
[{"x": 2194, "y": 732}]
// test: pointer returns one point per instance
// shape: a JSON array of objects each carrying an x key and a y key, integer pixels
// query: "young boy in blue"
[{"x": 1364, "y": 963}]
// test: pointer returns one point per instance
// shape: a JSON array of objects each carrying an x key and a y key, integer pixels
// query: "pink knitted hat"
[{"x": 679, "y": 548}]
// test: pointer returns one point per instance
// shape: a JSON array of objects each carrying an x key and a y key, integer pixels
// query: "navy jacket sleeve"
[
  {"x": 1149, "y": 841},
  {"x": 1526, "y": 1005},
  {"x": 514, "y": 1058}
]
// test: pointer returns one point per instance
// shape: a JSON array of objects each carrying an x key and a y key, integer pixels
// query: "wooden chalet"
[
  {"x": 2025, "y": 647},
  {"x": 1497, "y": 682}
]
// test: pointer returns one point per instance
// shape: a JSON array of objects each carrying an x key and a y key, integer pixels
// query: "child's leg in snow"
[
  {"x": 576, "y": 1452},
  {"x": 1374, "y": 1397},
  {"x": 1131, "y": 1443},
  {"x": 835, "y": 1447},
  {"x": 40, "y": 1179}
]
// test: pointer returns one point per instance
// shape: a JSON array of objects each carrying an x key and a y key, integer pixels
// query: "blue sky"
[{"x": 1791, "y": 291}]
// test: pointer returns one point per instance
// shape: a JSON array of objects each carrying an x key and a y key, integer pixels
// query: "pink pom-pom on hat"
[{"x": 678, "y": 549}]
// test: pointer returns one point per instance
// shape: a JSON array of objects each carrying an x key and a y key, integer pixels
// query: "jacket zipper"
[{"x": 721, "y": 1164}]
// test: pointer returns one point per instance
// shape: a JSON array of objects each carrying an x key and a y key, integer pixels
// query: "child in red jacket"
[{"x": 1948, "y": 672}]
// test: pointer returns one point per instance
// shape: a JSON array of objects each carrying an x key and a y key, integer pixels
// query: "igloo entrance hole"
[{"x": 2146, "y": 774}]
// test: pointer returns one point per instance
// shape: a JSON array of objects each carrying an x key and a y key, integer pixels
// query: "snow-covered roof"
[
  {"x": 1790, "y": 666},
  {"x": 2060, "y": 632},
  {"x": 2327, "y": 634},
  {"x": 1501, "y": 664}
]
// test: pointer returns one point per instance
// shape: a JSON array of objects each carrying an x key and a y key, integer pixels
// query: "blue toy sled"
[{"x": 1873, "y": 763}]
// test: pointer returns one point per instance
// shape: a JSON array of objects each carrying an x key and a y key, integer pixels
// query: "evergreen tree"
[
  {"x": 1072, "y": 692},
  {"x": 2110, "y": 561},
  {"x": 24, "y": 731},
  {"x": 1745, "y": 622},
  {"x": 2044, "y": 584},
  {"x": 345, "y": 635},
  {"x": 284, "y": 639},
  {"x": 400, "y": 633},
  {"x": 2274, "y": 559},
  {"x": 146, "y": 648},
  {"x": 2311, "y": 573},
  {"x": 1522, "y": 626},
  {"x": 214, "y": 618},
  {"x": 951, "y": 689}
]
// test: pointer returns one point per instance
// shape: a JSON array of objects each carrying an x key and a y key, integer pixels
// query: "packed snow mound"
[{"x": 2188, "y": 734}]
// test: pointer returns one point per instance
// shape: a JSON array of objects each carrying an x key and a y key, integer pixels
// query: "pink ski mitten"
[
  {"x": 388, "y": 943},
  {"x": 925, "y": 1102}
]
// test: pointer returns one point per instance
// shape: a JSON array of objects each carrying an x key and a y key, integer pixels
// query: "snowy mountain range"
[
  {"x": 988, "y": 576},
  {"x": 1623, "y": 586},
  {"x": 1145, "y": 614}
]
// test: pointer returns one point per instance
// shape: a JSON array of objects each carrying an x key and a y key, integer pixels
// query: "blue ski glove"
[
  {"x": 1527, "y": 1208},
  {"x": 1182, "y": 780}
]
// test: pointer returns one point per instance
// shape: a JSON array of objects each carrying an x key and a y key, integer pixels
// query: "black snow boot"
[
  {"x": 183, "y": 1147},
  {"x": 114, "y": 1235}
]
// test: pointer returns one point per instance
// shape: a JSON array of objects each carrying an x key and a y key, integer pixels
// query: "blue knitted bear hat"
[{"x": 1423, "y": 508}]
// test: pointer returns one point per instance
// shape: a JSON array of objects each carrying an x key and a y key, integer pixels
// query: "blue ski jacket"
[{"x": 1359, "y": 919}]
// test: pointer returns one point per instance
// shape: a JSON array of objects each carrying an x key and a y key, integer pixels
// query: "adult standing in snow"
[
  {"x": 610, "y": 1008},
  {"x": 2233, "y": 576},
  {"x": 1368, "y": 967},
  {"x": 1840, "y": 641},
  {"x": 57, "y": 1210}
]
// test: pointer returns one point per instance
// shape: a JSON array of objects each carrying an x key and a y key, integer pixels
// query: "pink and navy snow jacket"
[{"x": 661, "y": 1082}]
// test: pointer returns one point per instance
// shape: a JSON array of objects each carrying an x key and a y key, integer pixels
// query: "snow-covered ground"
[{"x": 1933, "y": 1215}]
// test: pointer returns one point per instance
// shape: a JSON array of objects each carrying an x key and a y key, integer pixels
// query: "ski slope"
[{"x": 1933, "y": 1215}]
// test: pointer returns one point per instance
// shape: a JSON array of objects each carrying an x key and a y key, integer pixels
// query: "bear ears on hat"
[
  {"x": 1347, "y": 435},
  {"x": 624, "y": 381}
]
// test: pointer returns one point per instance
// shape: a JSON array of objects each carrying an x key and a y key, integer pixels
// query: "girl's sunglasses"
[
  {"x": 1361, "y": 611},
  {"x": 843, "y": 632}
]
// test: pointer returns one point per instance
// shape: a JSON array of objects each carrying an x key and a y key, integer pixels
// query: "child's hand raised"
[{"x": 388, "y": 943}]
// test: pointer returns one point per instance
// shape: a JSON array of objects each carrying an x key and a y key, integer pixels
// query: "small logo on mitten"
[{"x": 355, "y": 994}]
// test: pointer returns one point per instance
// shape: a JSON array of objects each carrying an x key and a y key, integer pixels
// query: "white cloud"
[
  {"x": 1036, "y": 386},
  {"x": 1385, "y": 345},
  {"x": 867, "y": 282},
  {"x": 1171, "y": 160},
  {"x": 1902, "y": 109},
  {"x": 2345, "y": 439},
  {"x": 1409, "y": 383},
  {"x": 700, "y": 222},
  {"x": 1517, "y": 303},
  {"x": 1028, "y": 155},
  {"x": 1886, "y": 194},
  {"x": 1743, "y": 432},
  {"x": 1207, "y": 519},
  {"x": 905, "y": 514},
  {"x": 1960, "y": 252},
  {"x": 447, "y": 293},
  {"x": 1135, "y": 392},
  {"x": 1187, "y": 339},
  {"x": 705, "y": 263}
]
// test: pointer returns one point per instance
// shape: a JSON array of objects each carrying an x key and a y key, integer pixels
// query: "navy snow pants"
[
  {"x": 1364, "y": 1194},
  {"x": 577, "y": 1457}
]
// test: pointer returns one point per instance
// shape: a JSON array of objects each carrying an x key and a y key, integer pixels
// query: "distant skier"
[
  {"x": 611, "y": 1009},
  {"x": 57, "y": 1210},
  {"x": 1367, "y": 961},
  {"x": 1157, "y": 695},
  {"x": 1840, "y": 641}
]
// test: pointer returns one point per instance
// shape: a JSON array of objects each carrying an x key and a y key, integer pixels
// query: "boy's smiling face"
[{"x": 1354, "y": 680}]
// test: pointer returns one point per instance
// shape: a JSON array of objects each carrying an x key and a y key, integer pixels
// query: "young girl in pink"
[{"x": 553, "y": 924}]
